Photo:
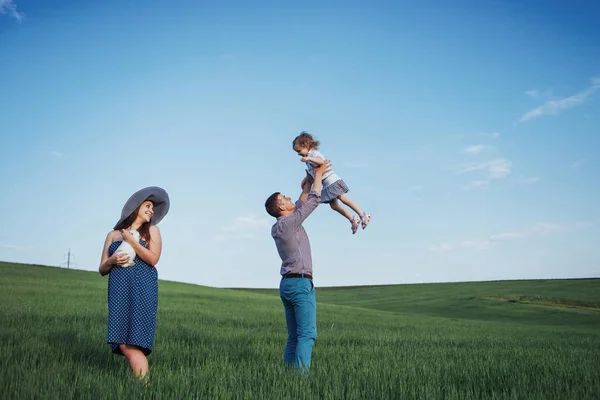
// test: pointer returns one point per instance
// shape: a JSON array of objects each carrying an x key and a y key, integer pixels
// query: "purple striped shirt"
[{"x": 291, "y": 238}]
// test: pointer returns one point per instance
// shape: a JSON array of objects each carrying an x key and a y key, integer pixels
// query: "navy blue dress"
[{"x": 132, "y": 304}]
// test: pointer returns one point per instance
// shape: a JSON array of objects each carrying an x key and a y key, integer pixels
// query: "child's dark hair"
[{"x": 305, "y": 139}]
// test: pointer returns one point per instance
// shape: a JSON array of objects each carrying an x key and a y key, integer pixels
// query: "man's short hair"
[{"x": 272, "y": 205}]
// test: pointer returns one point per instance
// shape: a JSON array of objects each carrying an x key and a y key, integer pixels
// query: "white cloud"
[
  {"x": 441, "y": 247},
  {"x": 498, "y": 168},
  {"x": 491, "y": 134},
  {"x": 538, "y": 93},
  {"x": 528, "y": 232},
  {"x": 10, "y": 8},
  {"x": 467, "y": 244},
  {"x": 476, "y": 184},
  {"x": 475, "y": 149},
  {"x": 245, "y": 222},
  {"x": 579, "y": 163},
  {"x": 533, "y": 179},
  {"x": 57, "y": 154},
  {"x": 495, "y": 169},
  {"x": 533, "y": 93},
  {"x": 552, "y": 107},
  {"x": 10, "y": 246},
  {"x": 476, "y": 244},
  {"x": 244, "y": 227},
  {"x": 539, "y": 229}
]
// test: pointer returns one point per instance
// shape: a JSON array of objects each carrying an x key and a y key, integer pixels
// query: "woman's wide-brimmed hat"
[{"x": 159, "y": 198}]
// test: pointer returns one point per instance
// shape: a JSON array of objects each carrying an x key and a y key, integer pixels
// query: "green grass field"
[{"x": 513, "y": 339}]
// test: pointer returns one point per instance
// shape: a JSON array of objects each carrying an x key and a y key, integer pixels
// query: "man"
[{"x": 296, "y": 288}]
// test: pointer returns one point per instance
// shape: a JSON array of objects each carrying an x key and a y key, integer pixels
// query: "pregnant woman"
[{"x": 133, "y": 290}]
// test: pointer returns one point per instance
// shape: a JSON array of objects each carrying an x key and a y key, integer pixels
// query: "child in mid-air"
[{"x": 334, "y": 187}]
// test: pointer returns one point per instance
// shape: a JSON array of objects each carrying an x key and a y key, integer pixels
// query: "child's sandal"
[
  {"x": 365, "y": 219},
  {"x": 355, "y": 222}
]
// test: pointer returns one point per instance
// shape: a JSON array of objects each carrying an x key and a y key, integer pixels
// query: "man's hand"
[
  {"x": 304, "y": 159},
  {"x": 323, "y": 168},
  {"x": 319, "y": 171},
  {"x": 306, "y": 182}
]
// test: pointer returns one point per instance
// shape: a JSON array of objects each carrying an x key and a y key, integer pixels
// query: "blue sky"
[{"x": 469, "y": 130}]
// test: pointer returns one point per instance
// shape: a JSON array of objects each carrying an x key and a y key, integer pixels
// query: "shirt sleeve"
[
  {"x": 316, "y": 154},
  {"x": 304, "y": 209}
]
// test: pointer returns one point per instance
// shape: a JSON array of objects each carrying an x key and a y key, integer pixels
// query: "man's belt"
[{"x": 290, "y": 275}]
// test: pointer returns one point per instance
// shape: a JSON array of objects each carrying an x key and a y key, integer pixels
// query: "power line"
[{"x": 69, "y": 263}]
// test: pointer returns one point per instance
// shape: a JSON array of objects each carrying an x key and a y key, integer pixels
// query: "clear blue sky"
[{"x": 470, "y": 130}]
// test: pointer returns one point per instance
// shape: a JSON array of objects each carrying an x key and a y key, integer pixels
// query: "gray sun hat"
[{"x": 158, "y": 196}]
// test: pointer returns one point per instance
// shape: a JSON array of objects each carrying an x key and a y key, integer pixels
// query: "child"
[{"x": 334, "y": 187}]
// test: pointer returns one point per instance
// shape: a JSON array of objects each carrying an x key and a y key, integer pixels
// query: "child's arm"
[{"x": 316, "y": 160}]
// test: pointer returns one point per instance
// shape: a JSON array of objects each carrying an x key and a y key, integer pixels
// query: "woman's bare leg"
[{"x": 137, "y": 360}]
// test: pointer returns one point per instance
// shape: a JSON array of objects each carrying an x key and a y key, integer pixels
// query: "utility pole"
[{"x": 68, "y": 263}]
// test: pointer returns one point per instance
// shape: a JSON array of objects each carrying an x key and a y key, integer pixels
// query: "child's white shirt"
[{"x": 329, "y": 177}]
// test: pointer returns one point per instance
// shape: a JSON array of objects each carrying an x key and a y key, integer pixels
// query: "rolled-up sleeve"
[{"x": 304, "y": 209}]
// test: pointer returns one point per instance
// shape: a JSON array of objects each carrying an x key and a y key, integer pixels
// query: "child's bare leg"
[
  {"x": 354, "y": 221},
  {"x": 350, "y": 203},
  {"x": 364, "y": 217},
  {"x": 335, "y": 205}
]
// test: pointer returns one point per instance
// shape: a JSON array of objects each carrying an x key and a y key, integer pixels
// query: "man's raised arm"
[
  {"x": 319, "y": 171},
  {"x": 305, "y": 185},
  {"x": 305, "y": 207}
]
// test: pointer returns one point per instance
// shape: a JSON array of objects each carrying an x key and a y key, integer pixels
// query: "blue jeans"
[{"x": 298, "y": 297}]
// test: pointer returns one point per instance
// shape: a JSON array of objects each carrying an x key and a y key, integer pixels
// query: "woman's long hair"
[{"x": 144, "y": 229}]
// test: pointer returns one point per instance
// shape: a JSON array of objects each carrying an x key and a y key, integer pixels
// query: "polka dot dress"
[{"x": 132, "y": 304}]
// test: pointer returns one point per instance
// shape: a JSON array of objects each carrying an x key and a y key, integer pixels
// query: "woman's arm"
[
  {"x": 150, "y": 255},
  {"x": 106, "y": 262},
  {"x": 117, "y": 259}
]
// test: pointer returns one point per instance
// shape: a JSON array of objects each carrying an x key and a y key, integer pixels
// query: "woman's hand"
[
  {"x": 128, "y": 237},
  {"x": 119, "y": 259}
]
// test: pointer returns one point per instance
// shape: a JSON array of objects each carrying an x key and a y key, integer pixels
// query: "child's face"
[{"x": 302, "y": 151}]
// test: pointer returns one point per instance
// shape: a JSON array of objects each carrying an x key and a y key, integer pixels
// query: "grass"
[
  {"x": 460, "y": 340},
  {"x": 572, "y": 302}
]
